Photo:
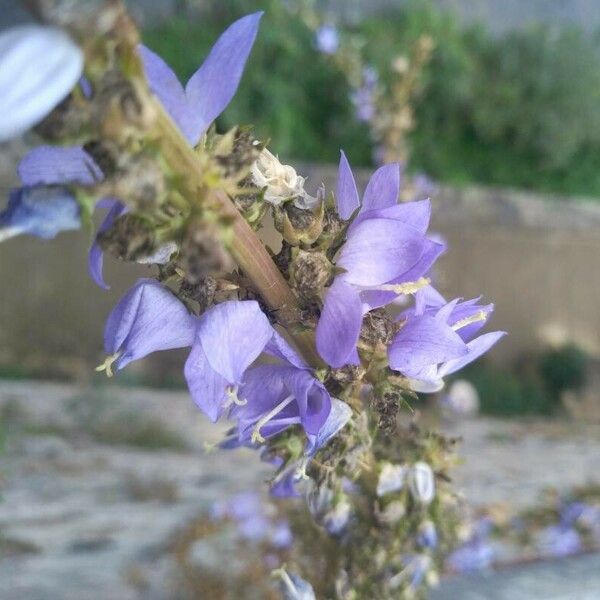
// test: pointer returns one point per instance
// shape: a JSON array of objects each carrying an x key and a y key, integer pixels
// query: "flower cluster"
[{"x": 304, "y": 352}]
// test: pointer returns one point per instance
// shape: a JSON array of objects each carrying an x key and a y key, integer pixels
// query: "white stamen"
[
  {"x": 108, "y": 363},
  {"x": 409, "y": 287},
  {"x": 480, "y": 316},
  {"x": 257, "y": 438},
  {"x": 232, "y": 397}
]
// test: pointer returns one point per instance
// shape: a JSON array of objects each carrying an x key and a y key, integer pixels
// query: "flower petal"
[
  {"x": 40, "y": 211},
  {"x": 207, "y": 387},
  {"x": 379, "y": 251},
  {"x": 50, "y": 165},
  {"x": 38, "y": 68},
  {"x": 96, "y": 255},
  {"x": 278, "y": 347},
  {"x": 166, "y": 86},
  {"x": 233, "y": 334},
  {"x": 383, "y": 188},
  {"x": 416, "y": 214},
  {"x": 476, "y": 348},
  {"x": 346, "y": 194},
  {"x": 339, "y": 326},
  {"x": 339, "y": 415},
  {"x": 424, "y": 341},
  {"x": 148, "y": 318},
  {"x": 213, "y": 85}
]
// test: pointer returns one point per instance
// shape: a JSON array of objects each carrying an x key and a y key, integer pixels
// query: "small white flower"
[
  {"x": 422, "y": 483},
  {"x": 280, "y": 182},
  {"x": 38, "y": 68},
  {"x": 391, "y": 479}
]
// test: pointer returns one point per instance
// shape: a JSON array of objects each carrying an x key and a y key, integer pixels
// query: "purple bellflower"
[
  {"x": 40, "y": 211},
  {"x": 437, "y": 338},
  {"x": 206, "y": 95},
  {"x": 148, "y": 318},
  {"x": 386, "y": 254}
]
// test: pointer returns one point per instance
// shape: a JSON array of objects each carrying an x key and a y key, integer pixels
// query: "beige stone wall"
[{"x": 537, "y": 260}]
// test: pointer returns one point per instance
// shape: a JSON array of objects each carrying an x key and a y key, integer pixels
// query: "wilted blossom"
[
  {"x": 421, "y": 482},
  {"x": 327, "y": 39},
  {"x": 193, "y": 109},
  {"x": 38, "y": 68},
  {"x": 391, "y": 479},
  {"x": 559, "y": 540},
  {"x": 386, "y": 254},
  {"x": 279, "y": 182},
  {"x": 437, "y": 338},
  {"x": 40, "y": 211}
]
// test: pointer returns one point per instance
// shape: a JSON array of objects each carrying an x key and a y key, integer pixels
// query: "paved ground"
[{"x": 94, "y": 484}]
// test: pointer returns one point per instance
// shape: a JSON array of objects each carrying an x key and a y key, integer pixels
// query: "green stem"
[{"x": 245, "y": 246}]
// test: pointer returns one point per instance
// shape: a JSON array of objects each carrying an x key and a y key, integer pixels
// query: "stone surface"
[{"x": 84, "y": 519}]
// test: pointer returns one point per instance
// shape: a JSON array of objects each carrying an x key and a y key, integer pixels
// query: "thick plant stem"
[{"x": 245, "y": 246}]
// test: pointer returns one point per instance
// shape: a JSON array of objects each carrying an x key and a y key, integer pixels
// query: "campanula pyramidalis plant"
[{"x": 303, "y": 350}]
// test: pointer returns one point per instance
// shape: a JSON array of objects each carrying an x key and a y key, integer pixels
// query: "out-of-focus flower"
[
  {"x": 294, "y": 587},
  {"x": 38, "y": 68},
  {"x": 337, "y": 519},
  {"x": 473, "y": 556},
  {"x": 559, "y": 540},
  {"x": 327, "y": 39},
  {"x": 427, "y": 535},
  {"x": 391, "y": 478},
  {"x": 39, "y": 211},
  {"x": 421, "y": 482},
  {"x": 385, "y": 255},
  {"x": 279, "y": 182},
  {"x": 364, "y": 97},
  {"x": 462, "y": 398}
]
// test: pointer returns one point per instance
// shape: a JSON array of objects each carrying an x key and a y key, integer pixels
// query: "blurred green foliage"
[
  {"x": 564, "y": 369},
  {"x": 519, "y": 110}
]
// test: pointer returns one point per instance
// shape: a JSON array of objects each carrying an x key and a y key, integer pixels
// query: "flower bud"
[
  {"x": 337, "y": 519},
  {"x": 299, "y": 225},
  {"x": 310, "y": 273},
  {"x": 422, "y": 483},
  {"x": 391, "y": 479},
  {"x": 38, "y": 67},
  {"x": 427, "y": 536}
]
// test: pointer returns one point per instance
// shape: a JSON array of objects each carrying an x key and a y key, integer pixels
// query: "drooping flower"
[
  {"x": 40, "y": 211},
  {"x": 148, "y": 318},
  {"x": 327, "y": 39},
  {"x": 38, "y": 67},
  {"x": 386, "y": 254},
  {"x": 437, "y": 339}
]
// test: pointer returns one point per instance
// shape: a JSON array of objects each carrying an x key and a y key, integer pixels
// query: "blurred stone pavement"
[{"x": 95, "y": 482}]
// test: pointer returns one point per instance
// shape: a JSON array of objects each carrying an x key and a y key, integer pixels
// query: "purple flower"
[
  {"x": 148, "y": 318},
  {"x": 363, "y": 97},
  {"x": 210, "y": 89},
  {"x": 385, "y": 253},
  {"x": 436, "y": 339},
  {"x": 559, "y": 540},
  {"x": 327, "y": 39},
  {"x": 473, "y": 556},
  {"x": 289, "y": 475},
  {"x": 38, "y": 67},
  {"x": 207, "y": 94},
  {"x": 295, "y": 588},
  {"x": 427, "y": 536},
  {"x": 40, "y": 211}
]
